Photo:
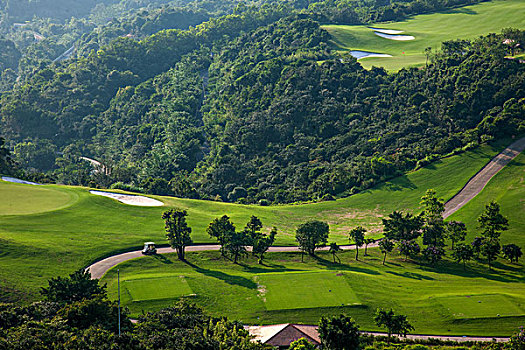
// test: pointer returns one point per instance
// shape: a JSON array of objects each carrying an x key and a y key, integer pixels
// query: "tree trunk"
[
  {"x": 180, "y": 253},
  {"x": 333, "y": 256},
  {"x": 384, "y": 259},
  {"x": 356, "y": 252},
  {"x": 366, "y": 247},
  {"x": 464, "y": 265}
]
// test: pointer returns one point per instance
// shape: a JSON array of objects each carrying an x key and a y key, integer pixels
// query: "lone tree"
[
  {"x": 492, "y": 222},
  {"x": 334, "y": 249},
  {"x": 386, "y": 247},
  {"x": 512, "y": 252},
  {"x": 433, "y": 225},
  {"x": 358, "y": 236},
  {"x": 408, "y": 248},
  {"x": 221, "y": 229},
  {"x": 253, "y": 229},
  {"x": 456, "y": 231},
  {"x": 395, "y": 324},
  {"x": 78, "y": 286},
  {"x": 367, "y": 242},
  {"x": 476, "y": 244},
  {"x": 399, "y": 226},
  {"x": 311, "y": 235},
  {"x": 177, "y": 230},
  {"x": 262, "y": 243},
  {"x": 490, "y": 250},
  {"x": 339, "y": 333},
  {"x": 235, "y": 245},
  {"x": 463, "y": 252}
]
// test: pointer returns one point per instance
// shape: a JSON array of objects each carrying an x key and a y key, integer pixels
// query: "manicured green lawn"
[
  {"x": 157, "y": 288},
  {"x": 18, "y": 199},
  {"x": 288, "y": 290},
  {"x": 36, "y": 247},
  {"x": 429, "y": 30},
  {"x": 302, "y": 290},
  {"x": 481, "y": 306}
]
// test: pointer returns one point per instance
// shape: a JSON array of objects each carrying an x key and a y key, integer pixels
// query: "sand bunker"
[
  {"x": 130, "y": 199},
  {"x": 386, "y": 31},
  {"x": 395, "y": 37},
  {"x": 18, "y": 181},
  {"x": 364, "y": 54}
]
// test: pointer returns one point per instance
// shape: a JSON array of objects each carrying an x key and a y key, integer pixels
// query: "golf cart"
[{"x": 149, "y": 248}]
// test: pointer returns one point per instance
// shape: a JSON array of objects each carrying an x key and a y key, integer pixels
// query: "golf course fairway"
[{"x": 428, "y": 30}]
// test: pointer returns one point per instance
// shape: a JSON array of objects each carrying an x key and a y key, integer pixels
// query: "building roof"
[{"x": 284, "y": 334}]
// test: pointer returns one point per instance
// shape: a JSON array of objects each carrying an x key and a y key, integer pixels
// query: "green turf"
[
  {"x": 429, "y": 30},
  {"x": 43, "y": 245},
  {"x": 480, "y": 306},
  {"x": 157, "y": 288},
  {"x": 18, "y": 199},
  {"x": 305, "y": 290},
  {"x": 288, "y": 290}
]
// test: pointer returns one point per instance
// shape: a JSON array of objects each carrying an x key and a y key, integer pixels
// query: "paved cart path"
[{"x": 478, "y": 181}]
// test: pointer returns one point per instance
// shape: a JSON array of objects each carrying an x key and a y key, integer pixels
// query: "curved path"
[
  {"x": 478, "y": 181},
  {"x": 469, "y": 191},
  {"x": 99, "y": 268}
]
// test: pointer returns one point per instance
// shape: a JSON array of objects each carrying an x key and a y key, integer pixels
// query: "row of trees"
[
  {"x": 402, "y": 230},
  {"x": 233, "y": 243},
  {"x": 405, "y": 232}
]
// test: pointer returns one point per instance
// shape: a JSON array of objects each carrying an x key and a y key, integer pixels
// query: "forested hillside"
[{"x": 252, "y": 106}]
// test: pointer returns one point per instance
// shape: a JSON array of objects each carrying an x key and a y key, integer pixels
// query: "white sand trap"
[
  {"x": 364, "y": 54},
  {"x": 18, "y": 181},
  {"x": 130, "y": 199},
  {"x": 395, "y": 37},
  {"x": 387, "y": 31}
]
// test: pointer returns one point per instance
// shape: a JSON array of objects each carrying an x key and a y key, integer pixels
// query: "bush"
[
  {"x": 126, "y": 187},
  {"x": 264, "y": 202}
]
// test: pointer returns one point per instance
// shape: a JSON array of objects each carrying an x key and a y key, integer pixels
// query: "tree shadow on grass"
[
  {"x": 267, "y": 268},
  {"x": 161, "y": 258},
  {"x": 411, "y": 275},
  {"x": 230, "y": 279},
  {"x": 476, "y": 271},
  {"x": 400, "y": 183},
  {"x": 339, "y": 266}
]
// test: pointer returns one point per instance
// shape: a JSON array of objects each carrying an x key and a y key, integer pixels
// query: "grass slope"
[
  {"x": 429, "y": 30},
  {"x": 442, "y": 300},
  {"x": 55, "y": 242}
]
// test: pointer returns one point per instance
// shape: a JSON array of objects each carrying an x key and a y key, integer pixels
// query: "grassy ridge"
[
  {"x": 39, "y": 246},
  {"x": 429, "y": 30}
]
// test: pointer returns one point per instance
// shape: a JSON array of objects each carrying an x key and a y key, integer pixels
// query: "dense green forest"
[{"x": 245, "y": 102}]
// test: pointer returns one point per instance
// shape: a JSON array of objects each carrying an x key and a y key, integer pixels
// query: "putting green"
[
  {"x": 301, "y": 290},
  {"x": 31, "y": 199},
  {"x": 480, "y": 306},
  {"x": 157, "y": 288}
]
